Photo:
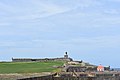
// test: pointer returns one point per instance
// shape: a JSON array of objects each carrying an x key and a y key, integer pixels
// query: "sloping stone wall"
[
  {"x": 71, "y": 78},
  {"x": 79, "y": 76}
]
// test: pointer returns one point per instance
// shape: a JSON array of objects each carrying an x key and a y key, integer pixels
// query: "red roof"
[{"x": 100, "y": 67}]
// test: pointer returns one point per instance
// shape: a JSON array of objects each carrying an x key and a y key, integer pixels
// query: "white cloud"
[
  {"x": 95, "y": 42},
  {"x": 43, "y": 10},
  {"x": 7, "y": 44},
  {"x": 4, "y": 24},
  {"x": 39, "y": 9},
  {"x": 112, "y": 11},
  {"x": 114, "y": 0},
  {"x": 7, "y": 8}
]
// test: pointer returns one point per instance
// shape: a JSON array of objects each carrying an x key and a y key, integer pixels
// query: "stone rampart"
[
  {"x": 40, "y": 60},
  {"x": 78, "y": 76}
]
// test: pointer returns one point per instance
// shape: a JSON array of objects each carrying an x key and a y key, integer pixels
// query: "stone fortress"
[
  {"x": 65, "y": 58},
  {"x": 73, "y": 70},
  {"x": 69, "y": 66}
]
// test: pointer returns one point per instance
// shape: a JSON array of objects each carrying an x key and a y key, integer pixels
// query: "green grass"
[{"x": 29, "y": 67}]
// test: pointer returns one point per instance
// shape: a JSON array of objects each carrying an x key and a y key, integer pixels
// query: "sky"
[{"x": 88, "y": 30}]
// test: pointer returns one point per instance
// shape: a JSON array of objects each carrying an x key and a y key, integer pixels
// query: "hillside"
[{"x": 29, "y": 67}]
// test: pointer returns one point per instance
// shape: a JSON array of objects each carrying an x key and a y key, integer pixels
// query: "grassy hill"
[{"x": 29, "y": 67}]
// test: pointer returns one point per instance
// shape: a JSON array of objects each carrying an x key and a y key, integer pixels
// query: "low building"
[{"x": 100, "y": 68}]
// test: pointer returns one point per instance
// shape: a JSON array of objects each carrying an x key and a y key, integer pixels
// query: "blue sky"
[{"x": 88, "y": 29}]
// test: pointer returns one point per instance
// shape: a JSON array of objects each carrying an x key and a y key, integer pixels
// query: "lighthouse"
[{"x": 66, "y": 55}]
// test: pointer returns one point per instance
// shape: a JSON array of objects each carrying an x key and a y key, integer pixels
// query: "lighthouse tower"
[{"x": 66, "y": 55}]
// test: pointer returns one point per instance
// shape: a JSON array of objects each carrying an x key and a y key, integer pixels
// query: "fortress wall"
[
  {"x": 39, "y": 60},
  {"x": 21, "y": 60},
  {"x": 65, "y": 58},
  {"x": 71, "y": 78},
  {"x": 81, "y": 76}
]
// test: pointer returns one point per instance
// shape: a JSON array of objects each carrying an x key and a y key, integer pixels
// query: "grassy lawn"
[{"x": 29, "y": 67}]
